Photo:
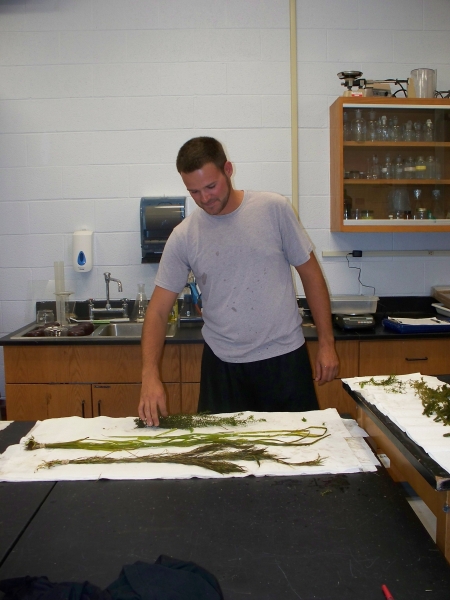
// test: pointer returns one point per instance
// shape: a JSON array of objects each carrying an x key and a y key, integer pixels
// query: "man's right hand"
[
  {"x": 152, "y": 402},
  {"x": 153, "y": 398}
]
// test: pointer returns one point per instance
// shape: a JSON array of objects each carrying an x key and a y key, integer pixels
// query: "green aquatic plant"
[
  {"x": 214, "y": 457},
  {"x": 282, "y": 437},
  {"x": 436, "y": 402},
  {"x": 203, "y": 419},
  {"x": 392, "y": 384}
]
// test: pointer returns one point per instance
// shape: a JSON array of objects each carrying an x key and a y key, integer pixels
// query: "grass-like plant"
[{"x": 215, "y": 457}]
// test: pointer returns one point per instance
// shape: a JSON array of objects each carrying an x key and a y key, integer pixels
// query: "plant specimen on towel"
[
  {"x": 282, "y": 437},
  {"x": 392, "y": 384},
  {"x": 436, "y": 402},
  {"x": 202, "y": 419},
  {"x": 214, "y": 457}
]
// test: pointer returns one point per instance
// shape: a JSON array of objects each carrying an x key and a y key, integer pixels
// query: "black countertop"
[{"x": 400, "y": 306}]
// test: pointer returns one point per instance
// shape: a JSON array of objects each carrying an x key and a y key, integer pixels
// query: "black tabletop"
[{"x": 328, "y": 537}]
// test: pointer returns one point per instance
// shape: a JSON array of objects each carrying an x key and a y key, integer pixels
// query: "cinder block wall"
[{"x": 96, "y": 97}]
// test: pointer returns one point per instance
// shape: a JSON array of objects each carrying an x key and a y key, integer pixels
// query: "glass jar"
[
  {"x": 421, "y": 214},
  {"x": 372, "y": 127},
  {"x": 140, "y": 304},
  {"x": 409, "y": 170},
  {"x": 358, "y": 127},
  {"x": 421, "y": 168}
]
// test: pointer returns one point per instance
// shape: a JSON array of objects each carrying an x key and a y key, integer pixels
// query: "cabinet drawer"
[
  {"x": 398, "y": 357},
  {"x": 85, "y": 364}
]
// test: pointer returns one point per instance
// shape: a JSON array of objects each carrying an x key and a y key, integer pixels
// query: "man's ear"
[{"x": 228, "y": 169}]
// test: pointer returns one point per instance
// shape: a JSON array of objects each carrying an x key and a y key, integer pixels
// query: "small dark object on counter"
[
  {"x": 81, "y": 329},
  {"x": 76, "y": 331},
  {"x": 39, "y": 332}
]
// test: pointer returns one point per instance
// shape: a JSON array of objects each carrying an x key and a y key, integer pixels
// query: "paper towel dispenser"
[{"x": 158, "y": 218}]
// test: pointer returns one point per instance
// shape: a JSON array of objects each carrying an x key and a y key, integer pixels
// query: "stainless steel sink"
[{"x": 128, "y": 330}]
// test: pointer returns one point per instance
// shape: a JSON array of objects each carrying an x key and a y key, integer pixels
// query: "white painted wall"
[{"x": 96, "y": 97}]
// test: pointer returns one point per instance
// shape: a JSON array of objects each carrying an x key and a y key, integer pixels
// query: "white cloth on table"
[
  {"x": 339, "y": 454},
  {"x": 405, "y": 410}
]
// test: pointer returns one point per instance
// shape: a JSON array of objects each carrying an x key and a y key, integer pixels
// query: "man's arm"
[
  {"x": 153, "y": 397},
  {"x": 327, "y": 362}
]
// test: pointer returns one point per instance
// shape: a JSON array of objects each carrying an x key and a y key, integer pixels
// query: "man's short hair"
[{"x": 199, "y": 151}]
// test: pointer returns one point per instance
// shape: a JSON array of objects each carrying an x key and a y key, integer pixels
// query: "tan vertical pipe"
[
  {"x": 294, "y": 116},
  {"x": 294, "y": 102}
]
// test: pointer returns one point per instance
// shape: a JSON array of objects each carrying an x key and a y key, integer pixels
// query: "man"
[{"x": 240, "y": 246}]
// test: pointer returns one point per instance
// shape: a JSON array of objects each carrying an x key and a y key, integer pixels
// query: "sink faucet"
[
  {"x": 108, "y": 307},
  {"x": 108, "y": 278}
]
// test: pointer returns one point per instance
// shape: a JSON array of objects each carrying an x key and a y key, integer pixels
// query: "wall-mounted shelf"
[{"x": 361, "y": 203}]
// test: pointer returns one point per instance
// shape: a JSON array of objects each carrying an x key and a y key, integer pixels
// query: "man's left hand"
[{"x": 327, "y": 365}]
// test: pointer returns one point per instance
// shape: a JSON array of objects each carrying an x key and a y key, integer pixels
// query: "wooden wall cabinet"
[
  {"x": 366, "y": 201},
  {"x": 44, "y": 382}
]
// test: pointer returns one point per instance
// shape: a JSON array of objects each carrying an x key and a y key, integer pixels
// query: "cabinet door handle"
[
  {"x": 99, "y": 404},
  {"x": 82, "y": 409},
  {"x": 419, "y": 358}
]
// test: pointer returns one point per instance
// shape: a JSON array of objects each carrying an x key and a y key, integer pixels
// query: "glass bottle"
[
  {"x": 431, "y": 167},
  {"x": 417, "y": 132},
  {"x": 398, "y": 168},
  {"x": 396, "y": 133},
  {"x": 347, "y": 205},
  {"x": 375, "y": 167},
  {"x": 437, "y": 169},
  {"x": 372, "y": 127},
  {"x": 359, "y": 127},
  {"x": 409, "y": 170},
  {"x": 421, "y": 168},
  {"x": 173, "y": 315},
  {"x": 438, "y": 208},
  {"x": 408, "y": 134},
  {"x": 384, "y": 130},
  {"x": 428, "y": 131},
  {"x": 347, "y": 130},
  {"x": 386, "y": 171},
  {"x": 417, "y": 195},
  {"x": 140, "y": 305}
]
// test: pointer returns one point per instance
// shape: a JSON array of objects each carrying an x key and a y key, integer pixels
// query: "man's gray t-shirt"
[{"x": 241, "y": 262}]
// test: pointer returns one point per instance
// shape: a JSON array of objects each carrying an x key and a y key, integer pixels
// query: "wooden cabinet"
[
  {"x": 430, "y": 357},
  {"x": 332, "y": 394},
  {"x": 47, "y": 401},
  {"x": 122, "y": 399},
  {"x": 47, "y": 381},
  {"x": 58, "y": 381},
  {"x": 369, "y": 192},
  {"x": 191, "y": 360}
]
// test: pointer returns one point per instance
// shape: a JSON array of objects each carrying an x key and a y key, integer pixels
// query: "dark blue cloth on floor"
[{"x": 167, "y": 579}]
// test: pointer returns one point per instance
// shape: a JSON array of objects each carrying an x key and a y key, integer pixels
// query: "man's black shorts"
[{"x": 280, "y": 384}]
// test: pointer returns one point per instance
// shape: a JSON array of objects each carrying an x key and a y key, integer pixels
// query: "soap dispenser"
[{"x": 140, "y": 304}]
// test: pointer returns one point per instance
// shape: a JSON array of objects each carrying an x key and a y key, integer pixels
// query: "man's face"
[{"x": 210, "y": 188}]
